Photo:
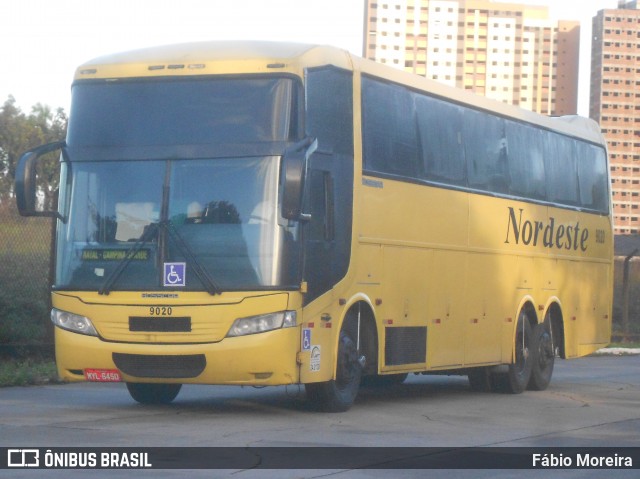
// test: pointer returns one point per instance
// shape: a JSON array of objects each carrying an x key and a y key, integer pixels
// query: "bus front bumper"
[{"x": 265, "y": 359}]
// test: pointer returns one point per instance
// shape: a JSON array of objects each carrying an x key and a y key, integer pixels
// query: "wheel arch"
[
  {"x": 368, "y": 338},
  {"x": 527, "y": 305}
]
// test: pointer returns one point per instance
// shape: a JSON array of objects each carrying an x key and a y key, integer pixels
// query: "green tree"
[{"x": 19, "y": 133}]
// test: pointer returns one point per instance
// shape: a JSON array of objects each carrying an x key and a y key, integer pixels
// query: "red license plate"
[{"x": 103, "y": 375}]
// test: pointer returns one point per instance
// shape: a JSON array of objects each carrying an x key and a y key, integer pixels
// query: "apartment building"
[
  {"x": 615, "y": 104},
  {"x": 512, "y": 53}
]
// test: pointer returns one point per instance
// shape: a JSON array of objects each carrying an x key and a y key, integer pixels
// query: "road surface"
[{"x": 593, "y": 401}]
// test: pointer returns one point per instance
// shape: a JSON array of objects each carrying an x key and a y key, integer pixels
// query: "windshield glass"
[
  {"x": 183, "y": 112},
  {"x": 225, "y": 210}
]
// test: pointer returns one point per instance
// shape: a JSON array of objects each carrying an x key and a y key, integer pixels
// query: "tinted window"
[
  {"x": 464, "y": 147},
  {"x": 330, "y": 109},
  {"x": 390, "y": 132},
  {"x": 329, "y": 187},
  {"x": 486, "y": 151},
  {"x": 183, "y": 112},
  {"x": 592, "y": 177},
  {"x": 442, "y": 153},
  {"x": 560, "y": 169},
  {"x": 526, "y": 160}
]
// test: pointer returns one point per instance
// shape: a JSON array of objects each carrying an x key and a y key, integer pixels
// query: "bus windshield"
[
  {"x": 212, "y": 206},
  {"x": 138, "y": 113},
  {"x": 224, "y": 210}
]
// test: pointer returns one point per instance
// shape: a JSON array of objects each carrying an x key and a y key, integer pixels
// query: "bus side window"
[
  {"x": 526, "y": 160},
  {"x": 390, "y": 133},
  {"x": 560, "y": 169},
  {"x": 329, "y": 116},
  {"x": 329, "y": 189},
  {"x": 486, "y": 150},
  {"x": 321, "y": 207},
  {"x": 592, "y": 177},
  {"x": 441, "y": 141}
]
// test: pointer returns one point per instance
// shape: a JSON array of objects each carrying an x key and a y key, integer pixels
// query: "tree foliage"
[{"x": 20, "y": 132}]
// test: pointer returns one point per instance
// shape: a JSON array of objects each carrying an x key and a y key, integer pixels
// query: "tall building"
[
  {"x": 615, "y": 104},
  {"x": 512, "y": 53}
]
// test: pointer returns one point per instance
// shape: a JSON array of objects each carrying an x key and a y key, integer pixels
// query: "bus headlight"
[
  {"x": 262, "y": 323},
  {"x": 73, "y": 322}
]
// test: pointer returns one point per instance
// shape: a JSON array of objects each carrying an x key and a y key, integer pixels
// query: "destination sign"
[{"x": 112, "y": 255}]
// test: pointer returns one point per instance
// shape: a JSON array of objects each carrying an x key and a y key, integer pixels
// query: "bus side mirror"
[
  {"x": 25, "y": 182},
  {"x": 294, "y": 173}
]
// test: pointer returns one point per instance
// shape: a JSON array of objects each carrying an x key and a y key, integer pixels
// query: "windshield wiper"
[
  {"x": 154, "y": 228},
  {"x": 161, "y": 228},
  {"x": 207, "y": 281},
  {"x": 167, "y": 226},
  {"x": 148, "y": 233}
]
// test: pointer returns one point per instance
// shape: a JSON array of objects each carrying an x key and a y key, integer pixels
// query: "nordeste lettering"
[{"x": 522, "y": 230}]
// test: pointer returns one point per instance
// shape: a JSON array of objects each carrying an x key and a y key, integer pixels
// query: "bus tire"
[
  {"x": 338, "y": 395},
  {"x": 543, "y": 357},
  {"x": 145, "y": 393},
  {"x": 516, "y": 380}
]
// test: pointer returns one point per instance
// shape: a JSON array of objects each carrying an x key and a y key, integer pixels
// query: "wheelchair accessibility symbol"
[{"x": 174, "y": 274}]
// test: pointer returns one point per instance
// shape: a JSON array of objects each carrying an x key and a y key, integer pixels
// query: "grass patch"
[
  {"x": 630, "y": 345},
  {"x": 27, "y": 372}
]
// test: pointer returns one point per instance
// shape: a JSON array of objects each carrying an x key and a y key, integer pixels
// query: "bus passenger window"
[
  {"x": 390, "y": 136},
  {"x": 560, "y": 169},
  {"x": 592, "y": 177},
  {"x": 526, "y": 160},
  {"x": 486, "y": 151},
  {"x": 440, "y": 127}
]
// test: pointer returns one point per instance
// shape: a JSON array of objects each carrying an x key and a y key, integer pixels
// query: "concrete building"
[
  {"x": 615, "y": 104},
  {"x": 512, "y": 53}
]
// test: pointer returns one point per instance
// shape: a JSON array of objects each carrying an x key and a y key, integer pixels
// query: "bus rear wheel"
[
  {"x": 543, "y": 357},
  {"x": 153, "y": 393},
  {"x": 338, "y": 395}
]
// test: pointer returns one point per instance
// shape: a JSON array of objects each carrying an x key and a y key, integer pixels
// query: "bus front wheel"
[
  {"x": 516, "y": 380},
  {"x": 520, "y": 371},
  {"x": 153, "y": 393},
  {"x": 338, "y": 395}
]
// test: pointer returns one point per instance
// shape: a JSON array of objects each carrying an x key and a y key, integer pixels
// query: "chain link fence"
[
  {"x": 25, "y": 245},
  {"x": 631, "y": 330}
]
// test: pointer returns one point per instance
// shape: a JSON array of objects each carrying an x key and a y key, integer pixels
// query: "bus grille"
[
  {"x": 165, "y": 366},
  {"x": 405, "y": 345}
]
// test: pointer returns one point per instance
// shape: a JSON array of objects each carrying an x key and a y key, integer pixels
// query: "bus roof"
[
  {"x": 211, "y": 58},
  {"x": 238, "y": 57}
]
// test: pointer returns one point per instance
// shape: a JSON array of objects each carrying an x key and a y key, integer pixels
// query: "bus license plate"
[{"x": 103, "y": 375}]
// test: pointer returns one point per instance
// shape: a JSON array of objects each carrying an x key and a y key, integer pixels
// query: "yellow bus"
[{"x": 272, "y": 214}]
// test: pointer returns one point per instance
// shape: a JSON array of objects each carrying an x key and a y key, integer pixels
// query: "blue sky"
[{"x": 42, "y": 41}]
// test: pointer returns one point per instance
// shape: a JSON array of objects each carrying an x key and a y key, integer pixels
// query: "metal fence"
[
  {"x": 25, "y": 245},
  {"x": 630, "y": 330}
]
